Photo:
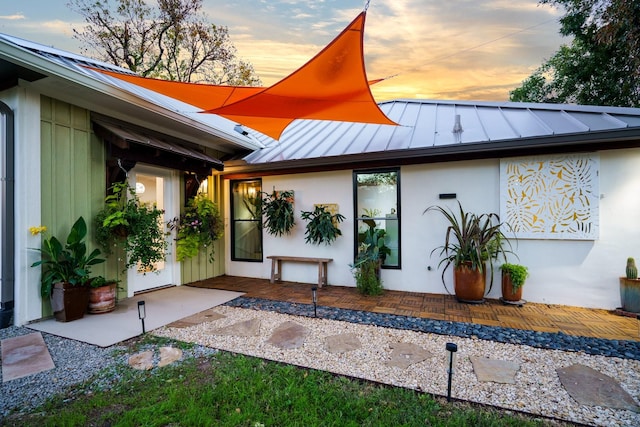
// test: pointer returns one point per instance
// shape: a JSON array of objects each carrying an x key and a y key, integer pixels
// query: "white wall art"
[{"x": 551, "y": 197}]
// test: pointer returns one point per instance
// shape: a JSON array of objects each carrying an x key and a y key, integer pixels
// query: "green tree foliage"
[
  {"x": 601, "y": 66},
  {"x": 171, "y": 40}
]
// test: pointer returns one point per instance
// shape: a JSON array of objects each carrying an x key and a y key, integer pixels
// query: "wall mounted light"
[
  {"x": 142, "y": 313},
  {"x": 452, "y": 349},
  {"x": 314, "y": 298}
]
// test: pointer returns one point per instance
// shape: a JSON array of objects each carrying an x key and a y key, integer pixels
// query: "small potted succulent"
[
  {"x": 513, "y": 278},
  {"x": 630, "y": 288}
]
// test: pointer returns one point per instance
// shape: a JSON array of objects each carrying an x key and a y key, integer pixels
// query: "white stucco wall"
[{"x": 570, "y": 272}]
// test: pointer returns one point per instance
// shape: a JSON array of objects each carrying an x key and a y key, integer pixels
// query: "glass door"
[{"x": 160, "y": 187}]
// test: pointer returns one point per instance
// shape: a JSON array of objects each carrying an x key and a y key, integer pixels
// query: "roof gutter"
[
  {"x": 603, "y": 140},
  {"x": 27, "y": 59}
]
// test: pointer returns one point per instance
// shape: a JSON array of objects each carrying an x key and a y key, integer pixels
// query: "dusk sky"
[{"x": 448, "y": 50}]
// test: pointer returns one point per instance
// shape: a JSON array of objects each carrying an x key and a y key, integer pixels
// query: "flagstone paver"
[
  {"x": 204, "y": 316},
  {"x": 142, "y": 361},
  {"x": 342, "y": 343},
  {"x": 245, "y": 328},
  {"x": 288, "y": 335},
  {"x": 24, "y": 355},
  {"x": 497, "y": 371},
  {"x": 168, "y": 355},
  {"x": 592, "y": 388},
  {"x": 405, "y": 354}
]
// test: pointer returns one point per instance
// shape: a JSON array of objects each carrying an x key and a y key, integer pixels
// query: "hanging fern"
[
  {"x": 198, "y": 228},
  {"x": 277, "y": 208},
  {"x": 322, "y": 226}
]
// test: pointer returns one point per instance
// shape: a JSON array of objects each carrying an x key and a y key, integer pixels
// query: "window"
[
  {"x": 246, "y": 227},
  {"x": 377, "y": 204}
]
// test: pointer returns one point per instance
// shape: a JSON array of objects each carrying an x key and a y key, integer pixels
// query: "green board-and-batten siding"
[
  {"x": 74, "y": 181},
  {"x": 199, "y": 268},
  {"x": 73, "y": 172}
]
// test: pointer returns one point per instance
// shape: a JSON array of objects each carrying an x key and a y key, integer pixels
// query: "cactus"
[{"x": 632, "y": 270}]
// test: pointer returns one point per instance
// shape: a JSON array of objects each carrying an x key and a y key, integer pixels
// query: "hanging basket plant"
[
  {"x": 197, "y": 229},
  {"x": 322, "y": 226},
  {"x": 277, "y": 209},
  {"x": 135, "y": 226}
]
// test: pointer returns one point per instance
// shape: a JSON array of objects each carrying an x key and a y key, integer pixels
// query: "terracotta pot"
[
  {"x": 630, "y": 294},
  {"x": 507, "y": 289},
  {"x": 102, "y": 299},
  {"x": 69, "y": 302},
  {"x": 469, "y": 284}
]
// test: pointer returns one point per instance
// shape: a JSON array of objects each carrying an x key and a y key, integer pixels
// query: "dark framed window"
[
  {"x": 377, "y": 204},
  {"x": 246, "y": 220}
]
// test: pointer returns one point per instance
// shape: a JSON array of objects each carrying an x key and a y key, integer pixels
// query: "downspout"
[{"x": 7, "y": 218}]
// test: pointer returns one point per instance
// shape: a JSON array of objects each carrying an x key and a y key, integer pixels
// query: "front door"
[{"x": 160, "y": 187}]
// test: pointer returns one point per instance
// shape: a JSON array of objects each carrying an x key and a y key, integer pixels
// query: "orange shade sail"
[{"x": 331, "y": 86}]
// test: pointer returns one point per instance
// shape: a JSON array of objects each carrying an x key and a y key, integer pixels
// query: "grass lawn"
[{"x": 227, "y": 389}]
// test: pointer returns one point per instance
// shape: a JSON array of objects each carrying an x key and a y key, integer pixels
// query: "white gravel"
[{"x": 537, "y": 388}]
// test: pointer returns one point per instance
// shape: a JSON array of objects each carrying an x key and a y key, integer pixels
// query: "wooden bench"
[{"x": 276, "y": 266}]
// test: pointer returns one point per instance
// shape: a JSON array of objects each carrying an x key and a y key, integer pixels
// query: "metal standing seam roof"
[
  {"x": 79, "y": 64},
  {"x": 429, "y": 123}
]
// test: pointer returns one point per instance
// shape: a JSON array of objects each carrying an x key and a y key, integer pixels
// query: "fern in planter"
[
  {"x": 196, "y": 229},
  {"x": 277, "y": 208},
  {"x": 127, "y": 222},
  {"x": 322, "y": 226}
]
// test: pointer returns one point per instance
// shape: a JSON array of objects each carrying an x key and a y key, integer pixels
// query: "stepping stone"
[
  {"x": 405, "y": 354},
  {"x": 592, "y": 388},
  {"x": 168, "y": 355},
  {"x": 497, "y": 371},
  {"x": 342, "y": 343},
  {"x": 288, "y": 335},
  {"x": 24, "y": 355},
  {"x": 204, "y": 316},
  {"x": 142, "y": 361},
  {"x": 246, "y": 328}
]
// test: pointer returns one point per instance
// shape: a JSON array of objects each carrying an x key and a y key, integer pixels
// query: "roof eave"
[
  {"x": 595, "y": 140},
  {"x": 28, "y": 59}
]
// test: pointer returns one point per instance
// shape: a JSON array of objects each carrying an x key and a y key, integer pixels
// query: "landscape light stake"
[
  {"x": 452, "y": 349},
  {"x": 314, "y": 297},
  {"x": 142, "y": 313}
]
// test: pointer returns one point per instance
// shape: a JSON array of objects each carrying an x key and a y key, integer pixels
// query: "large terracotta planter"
[
  {"x": 630, "y": 294},
  {"x": 469, "y": 284},
  {"x": 69, "y": 302},
  {"x": 102, "y": 299},
  {"x": 508, "y": 295}
]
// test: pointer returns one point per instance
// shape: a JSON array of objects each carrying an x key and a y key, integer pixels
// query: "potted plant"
[
  {"x": 127, "y": 222},
  {"x": 65, "y": 271},
  {"x": 630, "y": 288},
  {"x": 513, "y": 278},
  {"x": 102, "y": 295},
  {"x": 196, "y": 229},
  {"x": 277, "y": 208},
  {"x": 473, "y": 243},
  {"x": 322, "y": 226},
  {"x": 372, "y": 252}
]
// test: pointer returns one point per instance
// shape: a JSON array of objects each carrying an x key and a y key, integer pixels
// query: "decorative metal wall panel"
[{"x": 551, "y": 197}]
